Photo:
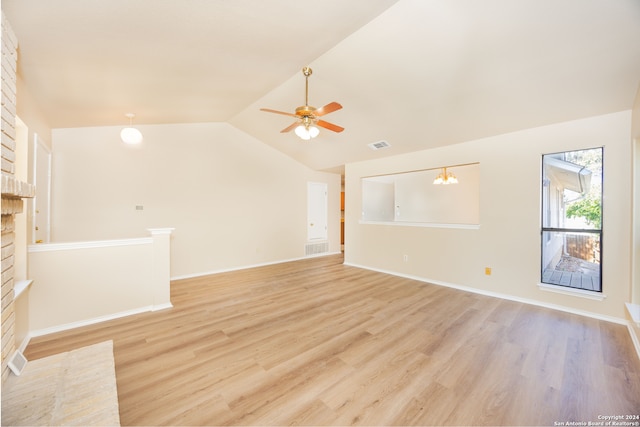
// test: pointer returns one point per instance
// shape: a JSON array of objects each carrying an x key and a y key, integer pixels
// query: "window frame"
[{"x": 546, "y": 213}]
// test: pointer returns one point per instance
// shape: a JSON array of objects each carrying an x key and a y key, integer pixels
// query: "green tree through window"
[{"x": 588, "y": 208}]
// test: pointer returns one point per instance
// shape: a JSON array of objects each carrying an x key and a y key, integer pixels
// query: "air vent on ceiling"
[{"x": 379, "y": 145}]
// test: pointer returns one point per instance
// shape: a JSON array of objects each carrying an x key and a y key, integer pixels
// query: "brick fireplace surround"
[{"x": 13, "y": 191}]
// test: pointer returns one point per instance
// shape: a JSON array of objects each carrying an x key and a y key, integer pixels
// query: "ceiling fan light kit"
[
  {"x": 307, "y": 123},
  {"x": 307, "y": 132}
]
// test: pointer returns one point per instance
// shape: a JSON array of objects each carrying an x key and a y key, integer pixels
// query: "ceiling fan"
[{"x": 307, "y": 116}]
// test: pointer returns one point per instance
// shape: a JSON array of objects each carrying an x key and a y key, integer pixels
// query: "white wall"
[
  {"x": 28, "y": 111},
  {"x": 33, "y": 123},
  {"x": 81, "y": 284},
  {"x": 378, "y": 203},
  {"x": 232, "y": 200},
  {"x": 635, "y": 291},
  {"x": 508, "y": 239},
  {"x": 635, "y": 133}
]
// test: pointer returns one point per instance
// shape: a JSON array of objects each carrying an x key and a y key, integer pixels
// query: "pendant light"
[
  {"x": 130, "y": 135},
  {"x": 445, "y": 178}
]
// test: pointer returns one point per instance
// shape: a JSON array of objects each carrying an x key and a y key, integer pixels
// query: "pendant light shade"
[{"x": 131, "y": 135}]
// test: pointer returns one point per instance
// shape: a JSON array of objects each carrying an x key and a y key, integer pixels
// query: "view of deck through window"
[{"x": 572, "y": 219}]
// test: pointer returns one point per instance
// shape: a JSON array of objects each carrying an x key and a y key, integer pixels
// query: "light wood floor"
[{"x": 315, "y": 342}]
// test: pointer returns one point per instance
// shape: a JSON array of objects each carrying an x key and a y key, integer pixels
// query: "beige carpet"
[{"x": 68, "y": 389}]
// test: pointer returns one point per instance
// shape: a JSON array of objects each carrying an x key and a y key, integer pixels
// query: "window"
[{"x": 572, "y": 219}]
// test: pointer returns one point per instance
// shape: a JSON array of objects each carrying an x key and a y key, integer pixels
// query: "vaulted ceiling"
[{"x": 416, "y": 73}]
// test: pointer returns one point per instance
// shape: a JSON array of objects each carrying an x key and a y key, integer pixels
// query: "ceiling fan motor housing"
[{"x": 305, "y": 111}]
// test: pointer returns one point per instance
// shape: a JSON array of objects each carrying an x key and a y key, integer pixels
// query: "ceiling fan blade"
[
  {"x": 329, "y": 126},
  {"x": 268, "y": 110},
  {"x": 290, "y": 127},
  {"x": 329, "y": 108}
]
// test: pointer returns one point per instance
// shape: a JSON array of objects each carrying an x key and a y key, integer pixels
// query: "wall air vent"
[
  {"x": 316, "y": 248},
  {"x": 379, "y": 145}
]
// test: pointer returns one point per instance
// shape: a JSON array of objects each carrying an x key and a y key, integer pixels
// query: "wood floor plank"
[
  {"x": 432, "y": 406},
  {"x": 315, "y": 342}
]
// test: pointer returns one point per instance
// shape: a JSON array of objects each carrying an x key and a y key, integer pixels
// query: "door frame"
[{"x": 37, "y": 146}]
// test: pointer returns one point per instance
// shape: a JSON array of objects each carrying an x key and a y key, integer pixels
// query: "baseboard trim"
[
  {"x": 246, "y": 267},
  {"x": 161, "y": 306},
  {"x": 24, "y": 343},
  {"x": 598, "y": 316},
  {"x": 634, "y": 337},
  {"x": 100, "y": 319}
]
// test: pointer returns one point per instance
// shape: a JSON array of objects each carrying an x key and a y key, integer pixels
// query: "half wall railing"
[{"x": 81, "y": 283}]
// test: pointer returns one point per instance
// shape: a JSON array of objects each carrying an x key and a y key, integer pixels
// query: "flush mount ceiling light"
[
  {"x": 445, "y": 178},
  {"x": 130, "y": 135}
]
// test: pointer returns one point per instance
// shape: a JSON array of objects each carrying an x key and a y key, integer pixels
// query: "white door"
[
  {"x": 317, "y": 211},
  {"x": 42, "y": 201}
]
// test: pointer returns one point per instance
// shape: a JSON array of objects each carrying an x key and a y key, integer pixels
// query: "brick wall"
[{"x": 13, "y": 191}]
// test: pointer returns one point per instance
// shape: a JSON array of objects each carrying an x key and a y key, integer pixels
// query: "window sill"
[
  {"x": 422, "y": 224},
  {"x": 581, "y": 293}
]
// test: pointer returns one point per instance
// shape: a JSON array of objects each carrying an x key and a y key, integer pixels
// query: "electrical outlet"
[{"x": 405, "y": 258}]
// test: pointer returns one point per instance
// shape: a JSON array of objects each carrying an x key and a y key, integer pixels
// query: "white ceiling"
[{"x": 416, "y": 73}]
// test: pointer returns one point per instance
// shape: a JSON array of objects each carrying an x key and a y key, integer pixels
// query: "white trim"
[
  {"x": 36, "y": 143},
  {"x": 157, "y": 231},
  {"x": 24, "y": 343},
  {"x": 422, "y": 224},
  {"x": 95, "y": 320},
  {"x": 246, "y": 267},
  {"x": 20, "y": 287},
  {"x": 49, "y": 247},
  {"x": 161, "y": 306},
  {"x": 634, "y": 338},
  {"x": 575, "y": 292},
  {"x": 500, "y": 295},
  {"x": 17, "y": 362},
  {"x": 634, "y": 312}
]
